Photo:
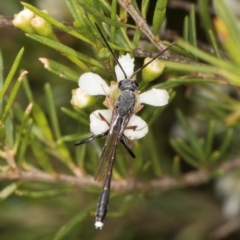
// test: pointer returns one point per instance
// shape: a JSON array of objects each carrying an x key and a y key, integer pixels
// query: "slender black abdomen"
[{"x": 102, "y": 208}]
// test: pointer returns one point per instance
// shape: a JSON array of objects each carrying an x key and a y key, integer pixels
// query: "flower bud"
[
  {"x": 81, "y": 99},
  {"x": 22, "y": 20},
  {"x": 153, "y": 70},
  {"x": 42, "y": 27},
  {"x": 104, "y": 54}
]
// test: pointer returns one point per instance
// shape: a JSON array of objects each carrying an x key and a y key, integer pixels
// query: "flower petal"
[
  {"x": 154, "y": 97},
  {"x": 141, "y": 128},
  {"x": 93, "y": 84},
  {"x": 97, "y": 124},
  {"x": 127, "y": 64}
]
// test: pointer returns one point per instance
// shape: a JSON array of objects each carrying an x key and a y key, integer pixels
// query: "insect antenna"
[
  {"x": 109, "y": 48},
  {"x": 157, "y": 56}
]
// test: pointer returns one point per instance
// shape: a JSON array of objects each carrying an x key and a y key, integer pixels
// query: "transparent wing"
[
  {"x": 108, "y": 153},
  {"x": 117, "y": 126}
]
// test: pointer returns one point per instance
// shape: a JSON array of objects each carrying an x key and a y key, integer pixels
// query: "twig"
[
  {"x": 10, "y": 157},
  {"x": 6, "y": 22},
  {"x": 190, "y": 179},
  {"x": 139, "y": 52},
  {"x": 142, "y": 24},
  {"x": 225, "y": 230}
]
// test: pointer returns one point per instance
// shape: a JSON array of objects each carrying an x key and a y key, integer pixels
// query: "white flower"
[
  {"x": 98, "y": 126},
  {"x": 155, "y": 97},
  {"x": 127, "y": 64},
  {"x": 93, "y": 84},
  {"x": 81, "y": 99}
]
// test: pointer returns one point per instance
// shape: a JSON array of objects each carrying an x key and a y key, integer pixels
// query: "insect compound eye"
[
  {"x": 120, "y": 84},
  {"x": 136, "y": 83}
]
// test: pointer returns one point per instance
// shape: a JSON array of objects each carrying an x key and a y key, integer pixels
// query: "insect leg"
[
  {"x": 92, "y": 138},
  {"x": 125, "y": 144},
  {"x": 95, "y": 136}
]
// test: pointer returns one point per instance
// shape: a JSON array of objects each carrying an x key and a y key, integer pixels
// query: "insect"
[{"x": 123, "y": 109}]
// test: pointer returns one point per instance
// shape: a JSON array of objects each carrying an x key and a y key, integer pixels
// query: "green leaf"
[
  {"x": 74, "y": 137},
  {"x": 225, "y": 68},
  {"x": 209, "y": 140},
  {"x": 175, "y": 82},
  {"x": 158, "y": 16},
  {"x": 9, "y": 190},
  {"x": 192, "y": 138},
  {"x": 52, "y": 110},
  {"x": 11, "y": 73},
  {"x": 226, "y": 141},
  {"x": 1, "y": 81},
  {"x": 66, "y": 229},
  {"x": 42, "y": 122},
  {"x": 13, "y": 95},
  {"x": 206, "y": 20},
  {"x": 65, "y": 50},
  {"x": 137, "y": 37},
  {"x": 113, "y": 17},
  {"x": 66, "y": 158},
  {"x": 105, "y": 6},
  {"x": 153, "y": 155},
  {"x": 40, "y": 154},
  {"x": 9, "y": 130},
  {"x": 214, "y": 43},
  {"x": 232, "y": 27},
  {"x": 42, "y": 194},
  {"x": 81, "y": 155},
  {"x": 144, "y": 8},
  {"x": 121, "y": 39},
  {"x": 60, "y": 69},
  {"x": 186, "y": 29},
  {"x": 176, "y": 169},
  {"x": 74, "y": 9},
  {"x": 25, "y": 142},
  {"x": 98, "y": 15},
  {"x": 185, "y": 156},
  {"x": 135, "y": 5},
  {"x": 80, "y": 116},
  {"x": 192, "y": 27},
  {"x": 214, "y": 157},
  {"x": 24, "y": 119}
]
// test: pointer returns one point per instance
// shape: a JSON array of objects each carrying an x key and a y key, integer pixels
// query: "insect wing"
[
  {"x": 117, "y": 126},
  {"x": 109, "y": 149}
]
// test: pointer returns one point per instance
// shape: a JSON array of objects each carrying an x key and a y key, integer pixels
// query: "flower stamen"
[{"x": 104, "y": 119}]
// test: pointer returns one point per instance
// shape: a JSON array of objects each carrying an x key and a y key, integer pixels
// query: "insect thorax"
[{"x": 126, "y": 103}]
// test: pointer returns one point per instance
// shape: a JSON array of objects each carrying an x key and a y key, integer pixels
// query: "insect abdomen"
[{"x": 102, "y": 208}]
